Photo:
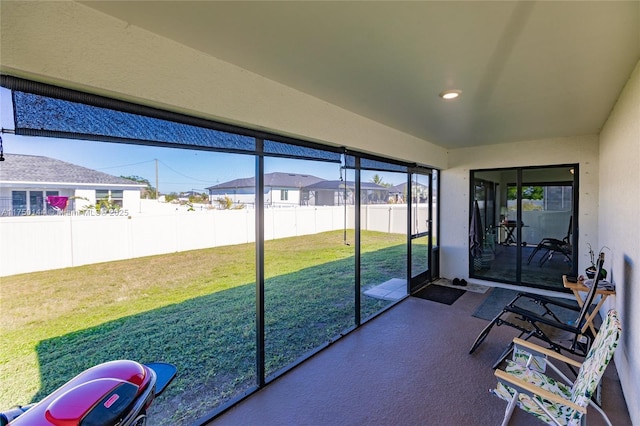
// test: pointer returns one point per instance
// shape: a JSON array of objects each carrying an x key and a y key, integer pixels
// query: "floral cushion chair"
[{"x": 523, "y": 383}]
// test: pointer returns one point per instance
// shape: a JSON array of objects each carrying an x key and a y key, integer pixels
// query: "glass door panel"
[
  {"x": 496, "y": 259},
  {"x": 547, "y": 206},
  {"x": 383, "y": 244},
  {"x": 420, "y": 228},
  {"x": 309, "y": 259}
]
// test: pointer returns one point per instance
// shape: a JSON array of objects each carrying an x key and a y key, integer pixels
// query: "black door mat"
[{"x": 440, "y": 294}]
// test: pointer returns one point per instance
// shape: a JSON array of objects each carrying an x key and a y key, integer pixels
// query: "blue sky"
[{"x": 178, "y": 169}]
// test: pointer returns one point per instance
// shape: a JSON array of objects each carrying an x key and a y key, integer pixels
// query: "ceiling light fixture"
[{"x": 450, "y": 94}]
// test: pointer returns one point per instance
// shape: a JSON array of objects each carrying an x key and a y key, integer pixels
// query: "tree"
[
  {"x": 377, "y": 179},
  {"x": 199, "y": 198},
  {"x": 149, "y": 192},
  {"x": 226, "y": 203},
  {"x": 171, "y": 196},
  {"x": 528, "y": 193}
]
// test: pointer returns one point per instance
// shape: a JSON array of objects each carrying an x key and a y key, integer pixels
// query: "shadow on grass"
[{"x": 212, "y": 339}]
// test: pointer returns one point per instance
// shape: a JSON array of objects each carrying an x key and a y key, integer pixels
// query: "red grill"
[{"x": 115, "y": 393}]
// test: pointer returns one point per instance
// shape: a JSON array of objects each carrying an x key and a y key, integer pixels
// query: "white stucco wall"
[
  {"x": 84, "y": 198},
  {"x": 619, "y": 229},
  {"x": 455, "y": 189},
  {"x": 131, "y": 201},
  {"x": 72, "y": 45}
]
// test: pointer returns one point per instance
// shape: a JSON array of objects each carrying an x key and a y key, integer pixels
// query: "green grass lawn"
[{"x": 195, "y": 309}]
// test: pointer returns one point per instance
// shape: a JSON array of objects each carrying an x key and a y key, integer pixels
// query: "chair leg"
[
  {"x": 483, "y": 334},
  {"x": 509, "y": 348},
  {"x": 503, "y": 356},
  {"x": 533, "y": 254},
  {"x": 547, "y": 256},
  {"x": 599, "y": 410},
  {"x": 508, "y": 412}
]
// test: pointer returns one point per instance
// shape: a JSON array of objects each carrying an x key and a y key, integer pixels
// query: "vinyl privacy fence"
[{"x": 40, "y": 243}]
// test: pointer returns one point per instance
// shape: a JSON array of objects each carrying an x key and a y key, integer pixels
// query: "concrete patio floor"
[{"x": 409, "y": 366}]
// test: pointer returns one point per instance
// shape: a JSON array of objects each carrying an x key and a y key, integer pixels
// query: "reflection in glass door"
[
  {"x": 496, "y": 259},
  {"x": 546, "y": 203}
]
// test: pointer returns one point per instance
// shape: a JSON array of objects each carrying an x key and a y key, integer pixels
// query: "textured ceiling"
[{"x": 527, "y": 70}]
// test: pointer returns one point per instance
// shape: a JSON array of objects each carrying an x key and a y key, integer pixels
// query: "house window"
[
  {"x": 116, "y": 197},
  {"x": 19, "y": 203},
  {"x": 109, "y": 198},
  {"x": 36, "y": 202},
  {"x": 49, "y": 207},
  {"x": 284, "y": 194},
  {"x": 24, "y": 203}
]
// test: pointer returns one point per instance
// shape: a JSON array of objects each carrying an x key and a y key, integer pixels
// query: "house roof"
[
  {"x": 402, "y": 188},
  {"x": 339, "y": 185},
  {"x": 19, "y": 168},
  {"x": 277, "y": 179}
]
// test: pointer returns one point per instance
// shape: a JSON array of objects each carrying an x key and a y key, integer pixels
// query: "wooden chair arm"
[
  {"x": 532, "y": 389},
  {"x": 548, "y": 352}
]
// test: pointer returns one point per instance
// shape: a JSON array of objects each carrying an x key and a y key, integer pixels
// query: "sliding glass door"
[{"x": 526, "y": 225}]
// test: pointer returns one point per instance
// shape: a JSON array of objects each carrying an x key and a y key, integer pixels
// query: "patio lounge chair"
[
  {"x": 524, "y": 384},
  {"x": 552, "y": 246},
  {"x": 533, "y": 324}
]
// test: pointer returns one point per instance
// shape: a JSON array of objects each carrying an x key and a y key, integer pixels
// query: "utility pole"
[{"x": 157, "y": 188}]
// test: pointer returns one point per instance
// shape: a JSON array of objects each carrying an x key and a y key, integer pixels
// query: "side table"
[{"x": 578, "y": 287}]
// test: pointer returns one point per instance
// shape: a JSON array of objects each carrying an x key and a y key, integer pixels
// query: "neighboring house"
[
  {"x": 335, "y": 192},
  {"x": 280, "y": 189},
  {"x": 36, "y": 185},
  {"x": 398, "y": 193}
]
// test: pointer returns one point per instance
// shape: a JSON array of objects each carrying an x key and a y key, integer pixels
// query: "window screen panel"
[
  {"x": 370, "y": 164},
  {"x": 298, "y": 151},
  {"x": 38, "y": 115}
]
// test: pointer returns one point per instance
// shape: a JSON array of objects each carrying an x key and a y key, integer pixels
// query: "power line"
[
  {"x": 182, "y": 174},
  {"x": 126, "y": 165},
  {"x": 192, "y": 179}
]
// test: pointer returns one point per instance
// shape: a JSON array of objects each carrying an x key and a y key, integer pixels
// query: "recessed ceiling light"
[{"x": 450, "y": 94}]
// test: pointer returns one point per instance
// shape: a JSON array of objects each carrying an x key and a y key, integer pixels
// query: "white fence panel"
[
  {"x": 398, "y": 219},
  {"x": 37, "y": 243},
  {"x": 99, "y": 239},
  {"x": 154, "y": 234},
  {"x": 328, "y": 219},
  {"x": 198, "y": 232},
  {"x": 390, "y": 218},
  {"x": 233, "y": 227},
  {"x": 282, "y": 222},
  {"x": 34, "y": 243},
  {"x": 307, "y": 221}
]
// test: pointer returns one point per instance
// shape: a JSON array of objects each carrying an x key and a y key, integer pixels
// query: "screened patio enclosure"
[{"x": 297, "y": 277}]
